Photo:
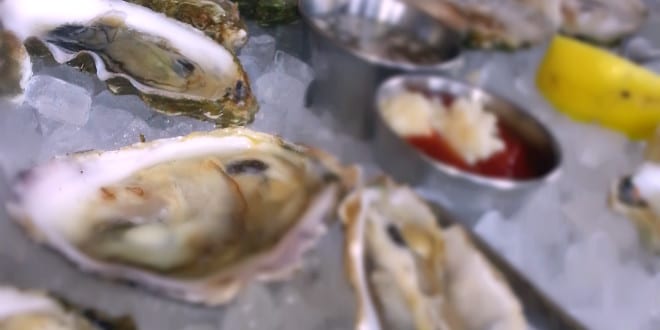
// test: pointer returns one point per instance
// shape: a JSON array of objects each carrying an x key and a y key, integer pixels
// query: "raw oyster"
[
  {"x": 219, "y": 19},
  {"x": 15, "y": 67},
  {"x": 510, "y": 23},
  {"x": 408, "y": 273},
  {"x": 637, "y": 196},
  {"x": 194, "y": 217},
  {"x": 515, "y": 23},
  {"x": 33, "y": 310},
  {"x": 172, "y": 66},
  {"x": 602, "y": 21}
]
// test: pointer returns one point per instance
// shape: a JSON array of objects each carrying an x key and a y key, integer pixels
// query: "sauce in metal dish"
[{"x": 514, "y": 162}]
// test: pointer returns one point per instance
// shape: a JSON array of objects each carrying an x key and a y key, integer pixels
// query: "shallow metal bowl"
[
  {"x": 464, "y": 193},
  {"x": 390, "y": 33}
]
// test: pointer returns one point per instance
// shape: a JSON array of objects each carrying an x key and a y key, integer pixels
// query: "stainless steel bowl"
[
  {"x": 390, "y": 33},
  {"x": 465, "y": 194}
]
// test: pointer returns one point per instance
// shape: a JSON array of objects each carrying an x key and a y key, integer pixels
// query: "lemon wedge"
[{"x": 592, "y": 85}]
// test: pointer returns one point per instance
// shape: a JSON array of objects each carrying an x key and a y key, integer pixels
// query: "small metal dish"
[
  {"x": 465, "y": 194},
  {"x": 389, "y": 33}
]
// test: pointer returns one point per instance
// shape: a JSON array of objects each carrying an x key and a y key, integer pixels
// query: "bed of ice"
[{"x": 565, "y": 238}]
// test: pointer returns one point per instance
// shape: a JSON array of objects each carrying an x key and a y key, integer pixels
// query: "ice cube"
[
  {"x": 502, "y": 235},
  {"x": 261, "y": 50},
  {"x": 88, "y": 81},
  {"x": 130, "y": 103},
  {"x": 171, "y": 126},
  {"x": 59, "y": 100},
  {"x": 280, "y": 96},
  {"x": 321, "y": 291},
  {"x": 107, "y": 125},
  {"x": 136, "y": 130},
  {"x": 48, "y": 126},
  {"x": 251, "y": 66},
  {"x": 65, "y": 140},
  {"x": 254, "y": 309},
  {"x": 279, "y": 89},
  {"x": 294, "y": 67},
  {"x": 20, "y": 141}
]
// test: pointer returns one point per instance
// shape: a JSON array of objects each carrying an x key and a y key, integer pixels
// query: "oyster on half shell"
[
  {"x": 172, "y": 66},
  {"x": 193, "y": 217},
  {"x": 409, "y": 273},
  {"x": 219, "y": 19},
  {"x": 516, "y": 23},
  {"x": 35, "y": 310},
  {"x": 15, "y": 66}
]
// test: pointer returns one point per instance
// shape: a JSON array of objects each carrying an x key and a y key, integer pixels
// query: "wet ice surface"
[{"x": 565, "y": 238}]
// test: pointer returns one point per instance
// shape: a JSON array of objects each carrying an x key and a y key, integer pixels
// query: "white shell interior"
[{"x": 13, "y": 302}]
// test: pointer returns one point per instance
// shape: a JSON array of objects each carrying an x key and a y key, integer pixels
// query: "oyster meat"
[
  {"x": 409, "y": 273},
  {"x": 637, "y": 196},
  {"x": 219, "y": 19},
  {"x": 15, "y": 67},
  {"x": 194, "y": 217},
  {"x": 172, "y": 66},
  {"x": 35, "y": 310}
]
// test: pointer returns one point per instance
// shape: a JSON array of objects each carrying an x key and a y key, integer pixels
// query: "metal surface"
[
  {"x": 385, "y": 32},
  {"x": 466, "y": 193}
]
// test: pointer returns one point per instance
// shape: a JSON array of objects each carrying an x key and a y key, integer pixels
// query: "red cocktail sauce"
[{"x": 514, "y": 162}]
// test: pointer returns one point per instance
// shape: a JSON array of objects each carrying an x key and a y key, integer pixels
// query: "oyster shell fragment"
[
  {"x": 603, "y": 21},
  {"x": 15, "y": 67},
  {"x": 193, "y": 217},
  {"x": 408, "y": 273},
  {"x": 35, "y": 310},
  {"x": 172, "y": 66},
  {"x": 219, "y": 19},
  {"x": 637, "y": 196}
]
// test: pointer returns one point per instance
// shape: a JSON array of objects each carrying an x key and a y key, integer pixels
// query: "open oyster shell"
[
  {"x": 637, "y": 196},
  {"x": 408, "y": 273},
  {"x": 516, "y": 23},
  {"x": 172, "y": 66},
  {"x": 35, "y": 310},
  {"x": 602, "y": 21},
  {"x": 508, "y": 23},
  {"x": 219, "y": 19},
  {"x": 15, "y": 66},
  {"x": 193, "y": 217}
]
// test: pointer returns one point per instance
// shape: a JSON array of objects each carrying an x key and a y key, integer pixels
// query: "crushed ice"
[{"x": 565, "y": 238}]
